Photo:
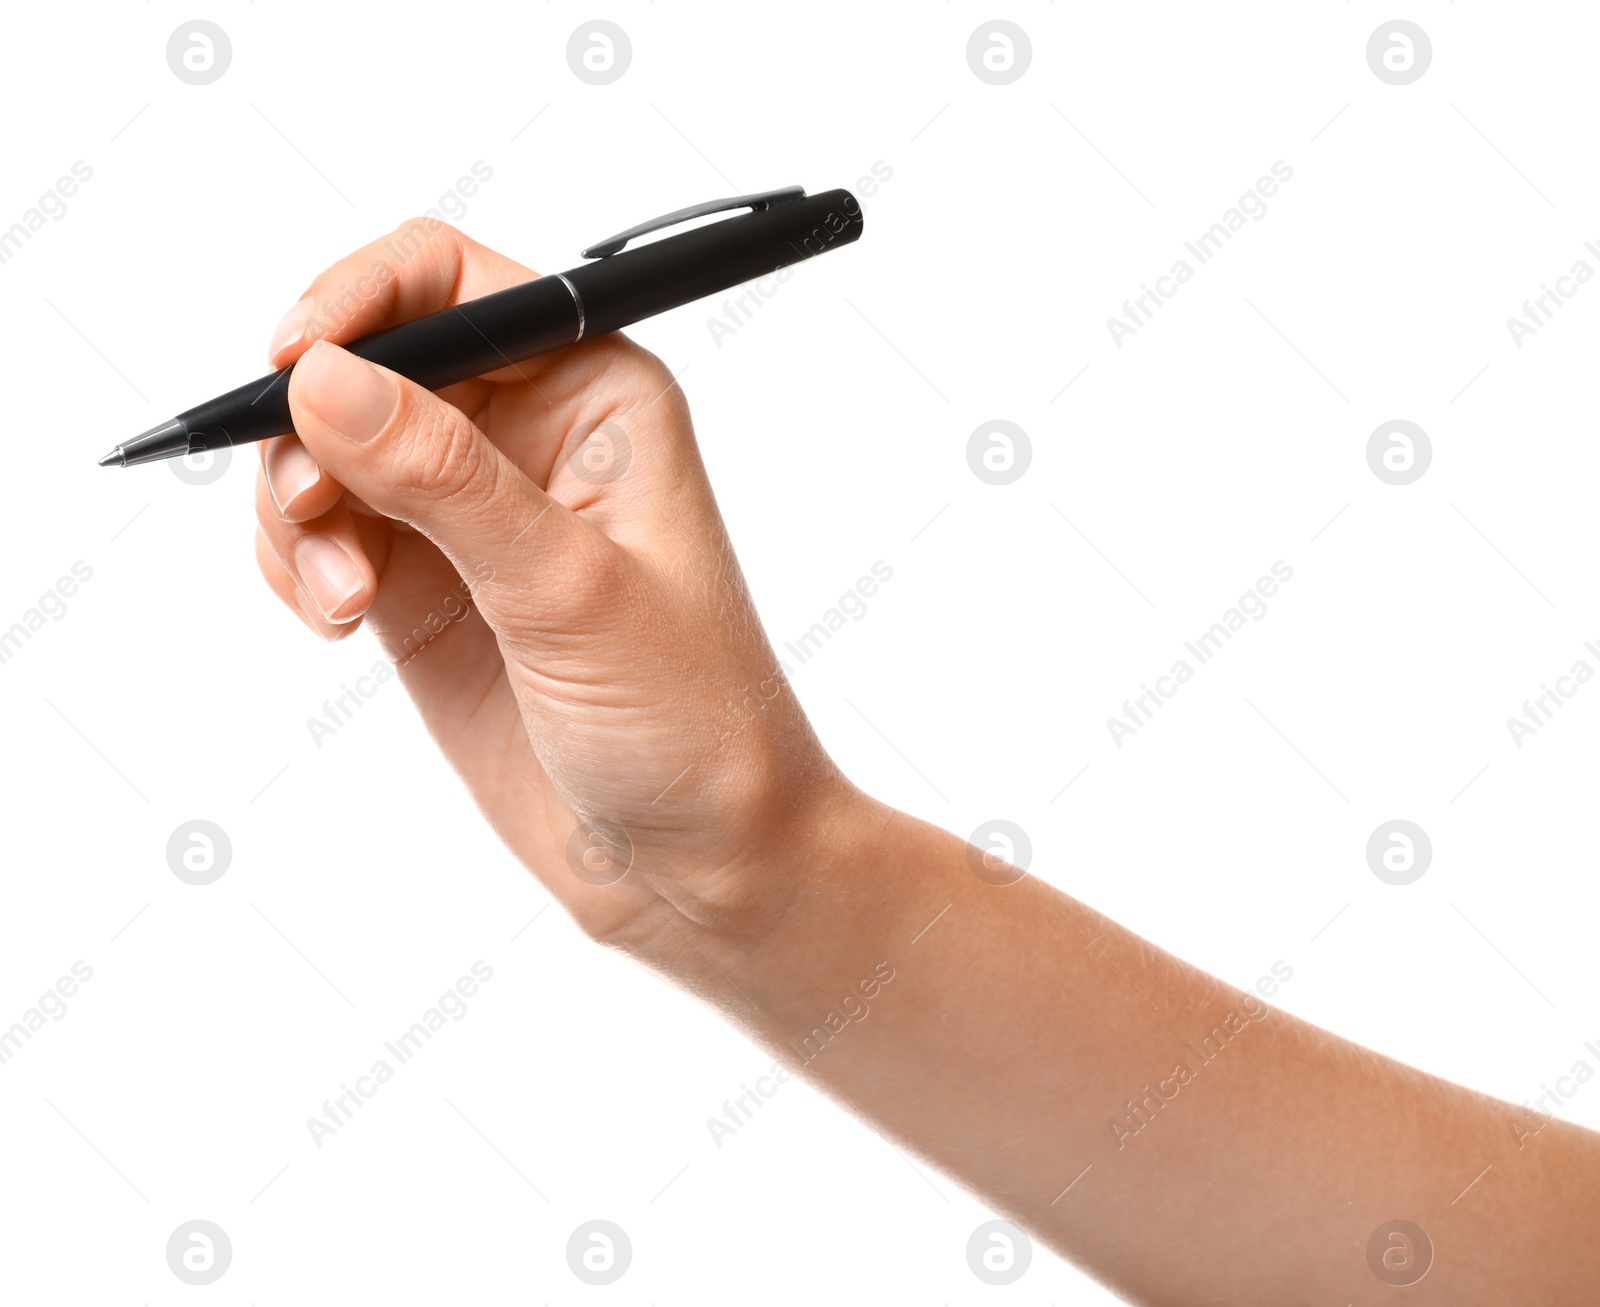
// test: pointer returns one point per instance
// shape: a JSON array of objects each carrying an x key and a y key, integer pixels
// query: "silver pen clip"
[{"x": 612, "y": 244}]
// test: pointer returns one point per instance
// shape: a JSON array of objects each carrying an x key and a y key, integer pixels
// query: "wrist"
[
  {"x": 770, "y": 868},
  {"x": 823, "y": 908}
]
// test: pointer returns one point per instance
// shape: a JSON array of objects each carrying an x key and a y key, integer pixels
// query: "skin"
[{"x": 568, "y": 615}]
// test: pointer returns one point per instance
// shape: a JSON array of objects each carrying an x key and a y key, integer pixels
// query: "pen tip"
[{"x": 113, "y": 459}]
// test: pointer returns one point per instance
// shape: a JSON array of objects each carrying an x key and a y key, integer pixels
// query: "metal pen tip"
[{"x": 169, "y": 440}]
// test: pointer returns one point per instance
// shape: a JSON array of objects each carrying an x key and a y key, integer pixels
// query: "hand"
[
  {"x": 610, "y": 670},
  {"x": 540, "y": 553}
]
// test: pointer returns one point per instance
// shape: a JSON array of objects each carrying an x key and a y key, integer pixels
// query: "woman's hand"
[
  {"x": 540, "y": 553},
  {"x": 610, "y": 678}
]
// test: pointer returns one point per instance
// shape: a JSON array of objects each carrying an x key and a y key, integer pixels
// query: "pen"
[{"x": 621, "y": 286}]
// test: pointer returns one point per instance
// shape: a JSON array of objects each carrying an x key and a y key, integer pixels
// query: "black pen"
[{"x": 619, "y": 287}]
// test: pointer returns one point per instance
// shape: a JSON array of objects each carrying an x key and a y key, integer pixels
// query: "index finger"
[{"x": 422, "y": 266}]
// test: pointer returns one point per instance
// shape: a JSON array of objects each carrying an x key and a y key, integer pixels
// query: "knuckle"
[
  {"x": 422, "y": 222},
  {"x": 416, "y": 235},
  {"x": 651, "y": 371},
  {"x": 595, "y": 581},
  {"x": 446, "y": 457},
  {"x": 594, "y": 578},
  {"x": 638, "y": 378}
]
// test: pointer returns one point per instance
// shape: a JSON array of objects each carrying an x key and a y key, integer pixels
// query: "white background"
[{"x": 1227, "y": 434}]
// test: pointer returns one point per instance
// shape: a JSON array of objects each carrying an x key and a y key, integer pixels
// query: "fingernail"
[
  {"x": 346, "y": 392},
  {"x": 313, "y": 619},
  {"x": 291, "y": 471},
  {"x": 329, "y": 575},
  {"x": 292, "y": 327}
]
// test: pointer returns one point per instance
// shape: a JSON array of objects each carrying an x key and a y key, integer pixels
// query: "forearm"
[{"x": 1175, "y": 1138}]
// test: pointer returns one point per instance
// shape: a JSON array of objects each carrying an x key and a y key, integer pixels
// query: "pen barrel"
[
  {"x": 498, "y": 330},
  {"x": 454, "y": 344},
  {"x": 670, "y": 272}
]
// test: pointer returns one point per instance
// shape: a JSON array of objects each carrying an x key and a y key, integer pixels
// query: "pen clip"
[{"x": 611, "y": 245}]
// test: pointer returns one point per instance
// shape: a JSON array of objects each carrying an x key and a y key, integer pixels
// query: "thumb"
[{"x": 412, "y": 457}]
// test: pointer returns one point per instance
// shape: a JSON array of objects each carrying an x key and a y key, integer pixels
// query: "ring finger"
[{"x": 324, "y": 556}]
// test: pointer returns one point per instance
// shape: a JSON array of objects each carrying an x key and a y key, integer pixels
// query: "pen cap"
[{"x": 637, "y": 283}]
